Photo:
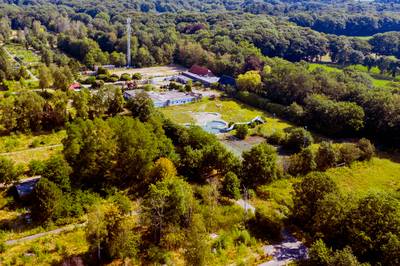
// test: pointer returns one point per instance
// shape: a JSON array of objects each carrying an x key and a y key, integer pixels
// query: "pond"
[{"x": 215, "y": 126}]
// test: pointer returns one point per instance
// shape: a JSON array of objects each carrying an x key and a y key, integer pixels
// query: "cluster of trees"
[
  {"x": 337, "y": 103},
  {"x": 29, "y": 111},
  {"x": 367, "y": 226},
  {"x": 348, "y": 24}
]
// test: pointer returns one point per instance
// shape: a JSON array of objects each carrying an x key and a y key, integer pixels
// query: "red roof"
[
  {"x": 75, "y": 86},
  {"x": 201, "y": 71}
]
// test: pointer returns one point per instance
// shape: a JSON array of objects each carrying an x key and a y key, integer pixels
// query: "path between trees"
[
  {"x": 32, "y": 149},
  {"x": 289, "y": 250},
  {"x": 52, "y": 232}
]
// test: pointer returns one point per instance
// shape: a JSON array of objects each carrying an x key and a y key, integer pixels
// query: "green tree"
[
  {"x": 370, "y": 222},
  {"x": 116, "y": 104},
  {"x": 63, "y": 78},
  {"x": 81, "y": 103},
  {"x": 249, "y": 81},
  {"x": 259, "y": 165},
  {"x": 163, "y": 168},
  {"x": 58, "y": 171},
  {"x": 46, "y": 201},
  {"x": 298, "y": 139},
  {"x": 367, "y": 149},
  {"x": 231, "y": 185},
  {"x": 169, "y": 202},
  {"x": 302, "y": 163},
  {"x": 45, "y": 77},
  {"x": 313, "y": 188},
  {"x": 90, "y": 149},
  {"x": 326, "y": 156},
  {"x": 241, "y": 131},
  {"x": 8, "y": 171},
  {"x": 141, "y": 106}
]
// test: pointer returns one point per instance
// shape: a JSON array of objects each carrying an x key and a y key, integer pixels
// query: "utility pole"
[{"x": 128, "y": 44}]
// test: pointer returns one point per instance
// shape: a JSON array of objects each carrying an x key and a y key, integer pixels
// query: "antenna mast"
[{"x": 128, "y": 44}]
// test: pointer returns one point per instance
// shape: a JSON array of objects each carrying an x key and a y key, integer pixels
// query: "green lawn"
[
  {"x": 49, "y": 250},
  {"x": 362, "y": 177},
  {"x": 27, "y": 56},
  {"x": 230, "y": 110},
  {"x": 377, "y": 79},
  {"x": 18, "y": 142}
]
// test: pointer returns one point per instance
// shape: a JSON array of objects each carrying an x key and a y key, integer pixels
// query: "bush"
[
  {"x": 302, "y": 163},
  {"x": 90, "y": 80},
  {"x": 326, "y": 156},
  {"x": 367, "y": 149},
  {"x": 125, "y": 77},
  {"x": 299, "y": 138},
  {"x": 102, "y": 77},
  {"x": 36, "y": 167},
  {"x": 277, "y": 138},
  {"x": 349, "y": 153},
  {"x": 231, "y": 185},
  {"x": 266, "y": 224},
  {"x": 241, "y": 131},
  {"x": 137, "y": 76},
  {"x": 103, "y": 71}
]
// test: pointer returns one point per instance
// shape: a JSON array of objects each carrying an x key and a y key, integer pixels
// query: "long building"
[{"x": 167, "y": 98}]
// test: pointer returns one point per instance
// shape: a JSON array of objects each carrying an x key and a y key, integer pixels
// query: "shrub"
[
  {"x": 241, "y": 131},
  {"x": 231, "y": 185},
  {"x": 137, "y": 76},
  {"x": 102, "y": 77},
  {"x": 36, "y": 167},
  {"x": 349, "y": 153},
  {"x": 277, "y": 138},
  {"x": 125, "y": 77},
  {"x": 266, "y": 224},
  {"x": 367, "y": 149},
  {"x": 302, "y": 163},
  {"x": 299, "y": 138},
  {"x": 326, "y": 156}
]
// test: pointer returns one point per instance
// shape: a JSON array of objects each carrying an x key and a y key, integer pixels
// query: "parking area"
[{"x": 147, "y": 72}]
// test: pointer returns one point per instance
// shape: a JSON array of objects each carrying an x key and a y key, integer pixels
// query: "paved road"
[
  {"x": 52, "y": 232},
  {"x": 290, "y": 249},
  {"x": 32, "y": 149}
]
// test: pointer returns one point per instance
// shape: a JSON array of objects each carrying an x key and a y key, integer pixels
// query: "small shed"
[
  {"x": 227, "y": 80},
  {"x": 25, "y": 187}
]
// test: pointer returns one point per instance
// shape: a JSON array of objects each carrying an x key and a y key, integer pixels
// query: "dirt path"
[
  {"x": 52, "y": 232},
  {"x": 32, "y": 149},
  {"x": 285, "y": 252}
]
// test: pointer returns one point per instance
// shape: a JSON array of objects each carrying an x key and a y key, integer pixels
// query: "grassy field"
[
  {"x": 230, "y": 110},
  {"x": 49, "y": 250},
  {"x": 379, "y": 174},
  {"x": 18, "y": 142},
  {"x": 378, "y": 80},
  {"x": 27, "y": 56}
]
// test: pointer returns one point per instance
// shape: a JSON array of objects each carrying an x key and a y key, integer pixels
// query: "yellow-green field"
[
  {"x": 230, "y": 110},
  {"x": 18, "y": 142},
  {"x": 27, "y": 56},
  {"x": 49, "y": 250},
  {"x": 378, "y": 80},
  {"x": 361, "y": 177}
]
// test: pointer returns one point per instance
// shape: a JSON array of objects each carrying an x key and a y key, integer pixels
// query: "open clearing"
[
  {"x": 147, "y": 72},
  {"x": 230, "y": 110}
]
